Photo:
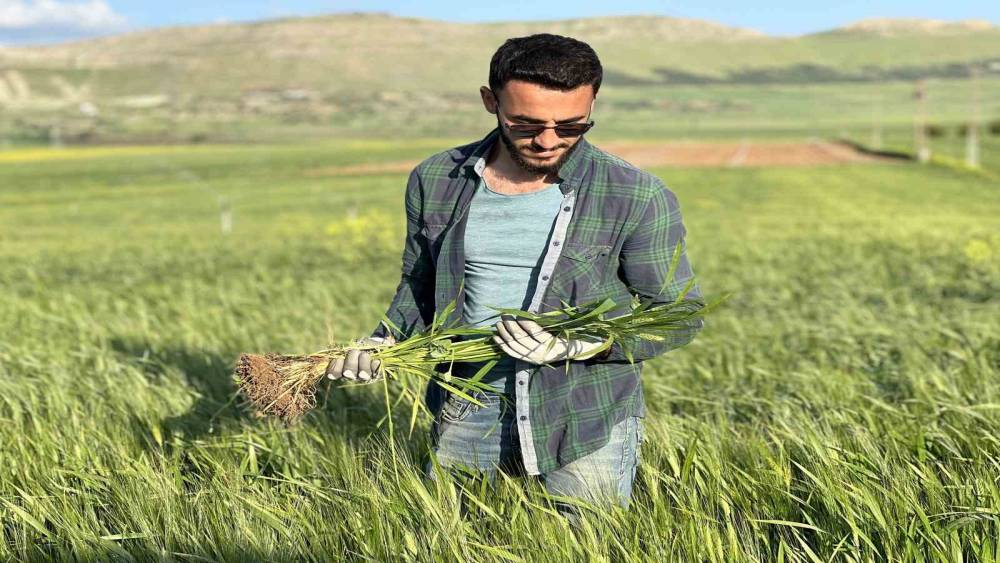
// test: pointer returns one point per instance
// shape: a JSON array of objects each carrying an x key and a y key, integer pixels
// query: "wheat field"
[{"x": 844, "y": 405}]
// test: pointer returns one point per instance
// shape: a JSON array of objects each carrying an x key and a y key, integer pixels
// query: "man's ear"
[{"x": 489, "y": 102}]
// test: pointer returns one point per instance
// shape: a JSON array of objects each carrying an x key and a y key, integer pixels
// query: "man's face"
[{"x": 524, "y": 102}]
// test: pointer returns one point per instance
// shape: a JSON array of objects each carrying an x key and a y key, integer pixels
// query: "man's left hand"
[{"x": 526, "y": 340}]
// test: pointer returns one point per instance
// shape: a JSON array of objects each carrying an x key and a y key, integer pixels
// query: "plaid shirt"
[{"x": 613, "y": 238}]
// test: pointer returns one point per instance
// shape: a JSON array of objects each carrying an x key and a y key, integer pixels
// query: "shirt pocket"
[
  {"x": 584, "y": 270},
  {"x": 583, "y": 252}
]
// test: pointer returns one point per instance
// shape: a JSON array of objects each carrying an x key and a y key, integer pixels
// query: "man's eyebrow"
[{"x": 527, "y": 119}]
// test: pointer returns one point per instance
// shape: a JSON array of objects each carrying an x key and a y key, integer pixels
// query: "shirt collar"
[{"x": 570, "y": 173}]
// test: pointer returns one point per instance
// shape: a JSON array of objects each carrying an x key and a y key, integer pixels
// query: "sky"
[{"x": 47, "y": 21}]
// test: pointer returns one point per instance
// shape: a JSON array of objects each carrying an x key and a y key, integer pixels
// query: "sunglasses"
[{"x": 531, "y": 130}]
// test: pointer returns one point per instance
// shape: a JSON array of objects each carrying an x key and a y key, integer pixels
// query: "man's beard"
[{"x": 518, "y": 159}]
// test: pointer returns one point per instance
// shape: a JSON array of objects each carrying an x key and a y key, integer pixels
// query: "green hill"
[
  {"x": 326, "y": 68},
  {"x": 382, "y": 52}
]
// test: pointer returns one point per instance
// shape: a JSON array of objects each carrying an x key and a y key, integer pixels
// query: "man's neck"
[{"x": 502, "y": 165}]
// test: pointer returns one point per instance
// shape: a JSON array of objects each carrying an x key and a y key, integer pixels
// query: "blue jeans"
[{"x": 484, "y": 440}]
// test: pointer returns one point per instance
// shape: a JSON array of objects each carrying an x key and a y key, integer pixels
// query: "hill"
[
  {"x": 379, "y": 52},
  {"x": 891, "y": 27},
  {"x": 371, "y": 68}
]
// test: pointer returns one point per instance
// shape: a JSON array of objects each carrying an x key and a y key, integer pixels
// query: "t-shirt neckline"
[{"x": 545, "y": 189}]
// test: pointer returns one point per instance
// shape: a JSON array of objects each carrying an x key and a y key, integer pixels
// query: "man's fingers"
[
  {"x": 524, "y": 339},
  {"x": 537, "y": 340},
  {"x": 534, "y": 341},
  {"x": 502, "y": 331},
  {"x": 530, "y": 343},
  {"x": 517, "y": 347},
  {"x": 365, "y": 366},
  {"x": 351, "y": 364},
  {"x": 510, "y": 340},
  {"x": 506, "y": 349},
  {"x": 514, "y": 329},
  {"x": 527, "y": 332},
  {"x": 336, "y": 369},
  {"x": 358, "y": 365},
  {"x": 532, "y": 328}
]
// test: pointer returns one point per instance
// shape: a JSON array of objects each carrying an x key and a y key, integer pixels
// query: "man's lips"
[{"x": 546, "y": 154}]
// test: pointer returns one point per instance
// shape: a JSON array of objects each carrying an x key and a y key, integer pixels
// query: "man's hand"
[
  {"x": 527, "y": 340},
  {"x": 359, "y": 365}
]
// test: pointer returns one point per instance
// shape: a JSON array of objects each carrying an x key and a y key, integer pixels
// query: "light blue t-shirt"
[{"x": 505, "y": 240}]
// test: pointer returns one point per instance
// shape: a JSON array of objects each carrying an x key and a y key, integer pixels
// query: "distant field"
[
  {"x": 841, "y": 406},
  {"x": 715, "y": 112},
  {"x": 786, "y": 110}
]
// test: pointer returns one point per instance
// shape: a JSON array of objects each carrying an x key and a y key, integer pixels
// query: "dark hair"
[{"x": 554, "y": 61}]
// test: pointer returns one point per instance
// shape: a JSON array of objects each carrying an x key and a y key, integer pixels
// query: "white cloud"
[{"x": 59, "y": 18}]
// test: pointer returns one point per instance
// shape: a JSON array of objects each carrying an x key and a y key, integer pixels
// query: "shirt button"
[
  {"x": 524, "y": 418},
  {"x": 520, "y": 382},
  {"x": 556, "y": 243},
  {"x": 545, "y": 277},
  {"x": 566, "y": 208}
]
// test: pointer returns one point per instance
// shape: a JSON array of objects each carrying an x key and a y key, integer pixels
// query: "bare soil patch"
[{"x": 737, "y": 154}]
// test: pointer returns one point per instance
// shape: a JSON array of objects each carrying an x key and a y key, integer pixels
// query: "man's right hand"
[{"x": 359, "y": 365}]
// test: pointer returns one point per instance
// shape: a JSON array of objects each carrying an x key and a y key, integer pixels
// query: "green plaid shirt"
[{"x": 613, "y": 238}]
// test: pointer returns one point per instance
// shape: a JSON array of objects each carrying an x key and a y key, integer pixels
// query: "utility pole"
[
  {"x": 225, "y": 215},
  {"x": 972, "y": 128},
  {"x": 920, "y": 122}
]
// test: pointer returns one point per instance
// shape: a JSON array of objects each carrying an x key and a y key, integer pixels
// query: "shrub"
[{"x": 933, "y": 130}]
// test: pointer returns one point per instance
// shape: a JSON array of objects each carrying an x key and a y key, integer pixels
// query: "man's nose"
[{"x": 547, "y": 139}]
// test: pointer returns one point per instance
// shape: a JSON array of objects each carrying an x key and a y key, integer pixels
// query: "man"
[{"x": 538, "y": 217}]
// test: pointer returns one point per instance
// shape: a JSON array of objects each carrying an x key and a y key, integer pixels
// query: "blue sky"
[{"x": 35, "y": 21}]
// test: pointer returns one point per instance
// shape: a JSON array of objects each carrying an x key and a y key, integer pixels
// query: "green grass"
[{"x": 844, "y": 404}]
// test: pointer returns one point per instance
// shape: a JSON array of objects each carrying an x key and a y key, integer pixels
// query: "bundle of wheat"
[{"x": 285, "y": 386}]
